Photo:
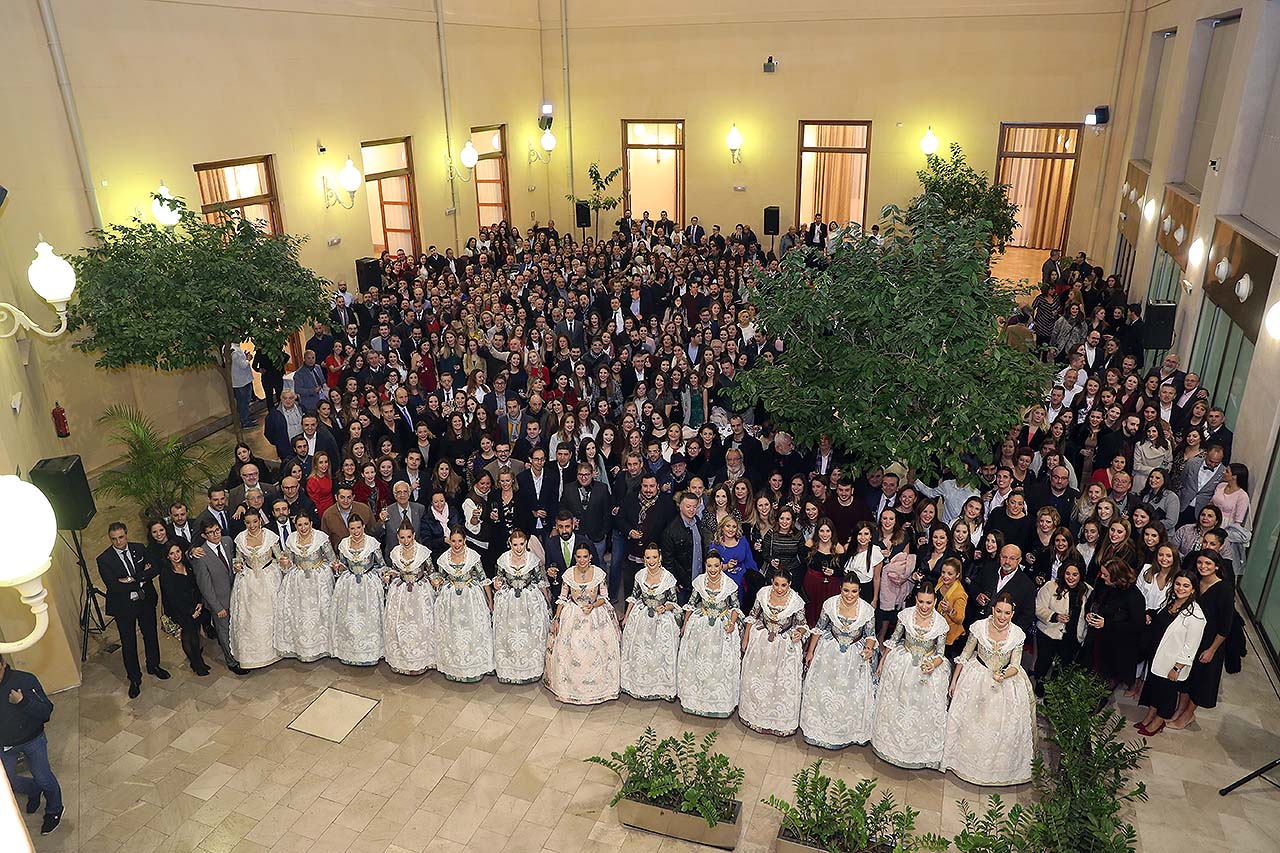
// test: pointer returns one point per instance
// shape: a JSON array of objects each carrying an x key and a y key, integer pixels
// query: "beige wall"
[{"x": 963, "y": 68}]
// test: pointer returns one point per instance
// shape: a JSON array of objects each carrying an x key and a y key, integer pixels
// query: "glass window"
[
  {"x": 1039, "y": 164},
  {"x": 835, "y": 158},
  {"x": 493, "y": 197},
  {"x": 653, "y": 167},
  {"x": 246, "y": 185},
  {"x": 393, "y": 209}
]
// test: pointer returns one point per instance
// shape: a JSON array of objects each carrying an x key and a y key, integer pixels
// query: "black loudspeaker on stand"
[
  {"x": 1260, "y": 773},
  {"x": 1158, "y": 320},
  {"x": 63, "y": 481}
]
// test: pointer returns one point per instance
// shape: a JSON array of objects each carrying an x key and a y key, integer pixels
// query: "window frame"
[
  {"x": 504, "y": 168},
  {"x": 1002, "y": 153},
  {"x": 802, "y": 149},
  {"x": 679, "y": 148},
  {"x": 406, "y": 172},
  {"x": 271, "y": 198}
]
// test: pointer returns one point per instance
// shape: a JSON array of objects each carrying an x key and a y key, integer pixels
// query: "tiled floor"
[{"x": 210, "y": 764}]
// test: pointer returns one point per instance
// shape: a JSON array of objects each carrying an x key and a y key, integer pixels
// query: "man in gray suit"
[
  {"x": 401, "y": 509},
  {"x": 211, "y": 563},
  {"x": 1199, "y": 479}
]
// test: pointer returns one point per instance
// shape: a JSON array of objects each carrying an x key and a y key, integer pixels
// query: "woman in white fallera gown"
[
  {"x": 464, "y": 618},
  {"x": 583, "y": 651},
  {"x": 991, "y": 728},
  {"x": 773, "y": 663},
  {"x": 356, "y": 637},
  {"x": 304, "y": 605},
  {"x": 408, "y": 620},
  {"x": 253, "y": 595},
  {"x": 651, "y": 632},
  {"x": 521, "y": 616},
  {"x": 710, "y": 660},
  {"x": 911, "y": 702},
  {"x": 839, "y": 699}
]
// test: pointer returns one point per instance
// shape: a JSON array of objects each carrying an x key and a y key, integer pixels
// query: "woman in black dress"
[
  {"x": 183, "y": 604},
  {"x": 1217, "y": 600},
  {"x": 1116, "y": 616},
  {"x": 780, "y": 550}
]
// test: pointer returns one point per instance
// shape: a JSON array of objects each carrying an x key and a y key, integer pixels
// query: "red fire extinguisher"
[{"x": 60, "y": 421}]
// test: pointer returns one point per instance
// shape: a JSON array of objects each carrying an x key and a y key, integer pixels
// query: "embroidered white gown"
[
  {"x": 304, "y": 605},
  {"x": 584, "y": 659},
  {"x": 651, "y": 640},
  {"x": 991, "y": 728},
  {"x": 839, "y": 694},
  {"x": 253, "y": 601},
  {"x": 773, "y": 666},
  {"x": 911, "y": 708},
  {"x": 356, "y": 635},
  {"x": 464, "y": 625},
  {"x": 408, "y": 621},
  {"x": 520, "y": 619},
  {"x": 710, "y": 660}
]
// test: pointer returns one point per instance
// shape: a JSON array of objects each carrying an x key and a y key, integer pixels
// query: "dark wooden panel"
[
  {"x": 1245, "y": 256},
  {"x": 1180, "y": 212}
]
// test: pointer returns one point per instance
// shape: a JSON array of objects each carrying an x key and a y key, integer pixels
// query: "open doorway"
[{"x": 1039, "y": 162}]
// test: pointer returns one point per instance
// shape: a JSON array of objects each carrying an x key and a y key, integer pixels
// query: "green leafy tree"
[
  {"x": 598, "y": 199},
  {"x": 179, "y": 298},
  {"x": 895, "y": 351},
  {"x": 964, "y": 191}
]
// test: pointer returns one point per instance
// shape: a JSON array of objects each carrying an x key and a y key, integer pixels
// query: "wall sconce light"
[
  {"x": 1272, "y": 321},
  {"x": 548, "y": 143},
  {"x": 1179, "y": 234},
  {"x": 929, "y": 142},
  {"x": 27, "y": 533},
  {"x": 1187, "y": 285},
  {"x": 1244, "y": 287},
  {"x": 349, "y": 179},
  {"x": 468, "y": 156},
  {"x": 165, "y": 209},
  {"x": 1195, "y": 255},
  {"x": 1222, "y": 269},
  {"x": 734, "y": 140},
  {"x": 1166, "y": 225},
  {"x": 1133, "y": 194},
  {"x": 1124, "y": 190},
  {"x": 1149, "y": 212},
  {"x": 54, "y": 280}
]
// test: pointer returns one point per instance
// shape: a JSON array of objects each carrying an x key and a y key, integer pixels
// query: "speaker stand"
[{"x": 91, "y": 618}]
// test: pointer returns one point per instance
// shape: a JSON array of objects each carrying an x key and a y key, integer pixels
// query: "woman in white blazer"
[{"x": 1179, "y": 625}]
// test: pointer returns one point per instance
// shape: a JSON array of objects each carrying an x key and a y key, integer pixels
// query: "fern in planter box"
[
  {"x": 679, "y": 774},
  {"x": 830, "y": 815}
]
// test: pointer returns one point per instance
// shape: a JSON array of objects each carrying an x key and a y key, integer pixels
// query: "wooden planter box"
[{"x": 686, "y": 827}]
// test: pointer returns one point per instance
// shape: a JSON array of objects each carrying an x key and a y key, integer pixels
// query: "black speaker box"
[
  {"x": 771, "y": 221},
  {"x": 368, "y": 274},
  {"x": 1158, "y": 324},
  {"x": 582, "y": 214},
  {"x": 63, "y": 482}
]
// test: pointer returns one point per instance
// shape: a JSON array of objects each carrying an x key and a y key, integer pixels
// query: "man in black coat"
[
  {"x": 537, "y": 495},
  {"x": 1057, "y": 493},
  {"x": 682, "y": 546},
  {"x": 587, "y": 500},
  {"x": 24, "y": 710},
  {"x": 1008, "y": 577},
  {"x": 559, "y": 550},
  {"x": 129, "y": 575}
]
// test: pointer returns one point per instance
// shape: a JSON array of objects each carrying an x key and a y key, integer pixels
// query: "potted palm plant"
[
  {"x": 155, "y": 471},
  {"x": 829, "y": 815},
  {"x": 678, "y": 787}
]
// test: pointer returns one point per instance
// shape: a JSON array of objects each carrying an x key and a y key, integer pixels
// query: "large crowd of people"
[{"x": 525, "y": 461}]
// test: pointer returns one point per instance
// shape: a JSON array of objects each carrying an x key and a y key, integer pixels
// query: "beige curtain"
[
  {"x": 834, "y": 182},
  {"x": 1040, "y": 186}
]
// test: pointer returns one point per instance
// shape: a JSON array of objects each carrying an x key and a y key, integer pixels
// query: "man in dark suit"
[
  {"x": 559, "y": 549},
  {"x": 532, "y": 442},
  {"x": 251, "y": 478},
  {"x": 1216, "y": 432},
  {"x": 128, "y": 575},
  {"x": 1057, "y": 493},
  {"x": 179, "y": 525},
  {"x": 695, "y": 233},
  {"x": 537, "y": 495},
  {"x": 393, "y": 426},
  {"x": 571, "y": 327},
  {"x": 1053, "y": 265},
  {"x": 300, "y": 502},
  {"x": 815, "y": 236},
  {"x": 281, "y": 523},
  {"x": 1008, "y": 577},
  {"x": 219, "y": 511},
  {"x": 321, "y": 342},
  {"x": 319, "y": 438}
]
